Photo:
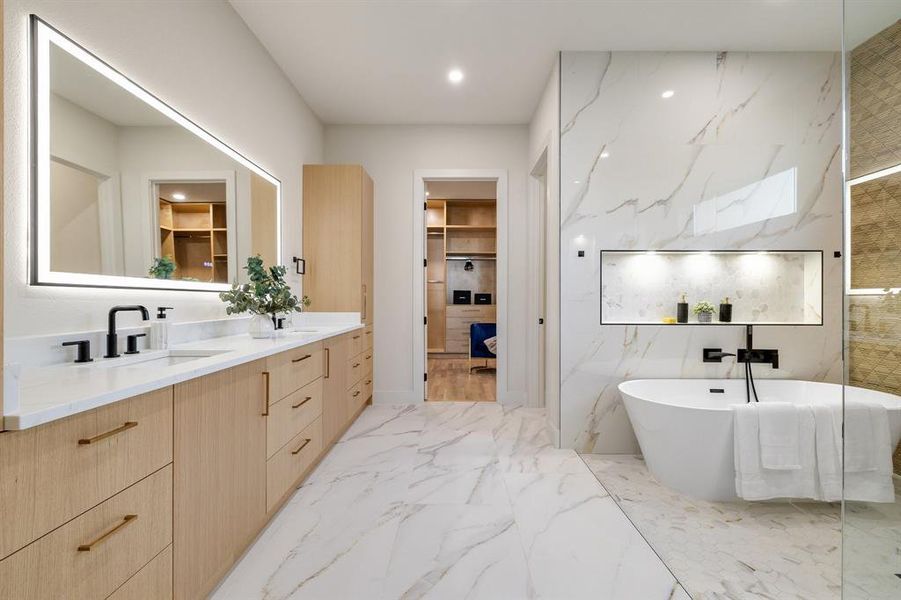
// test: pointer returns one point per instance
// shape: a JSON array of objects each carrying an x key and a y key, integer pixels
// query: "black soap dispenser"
[
  {"x": 682, "y": 310},
  {"x": 725, "y": 311}
]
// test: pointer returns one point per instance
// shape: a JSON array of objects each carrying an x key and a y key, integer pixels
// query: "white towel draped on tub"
[
  {"x": 753, "y": 481},
  {"x": 868, "y": 453},
  {"x": 796, "y": 452}
]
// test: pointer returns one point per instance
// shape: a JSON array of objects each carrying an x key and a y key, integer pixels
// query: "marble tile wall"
[{"x": 634, "y": 166}]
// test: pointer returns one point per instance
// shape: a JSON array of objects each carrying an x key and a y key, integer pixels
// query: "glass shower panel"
[{"x": 872, "y": 429}]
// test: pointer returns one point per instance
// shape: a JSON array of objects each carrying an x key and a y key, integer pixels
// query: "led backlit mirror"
[{"x": 130, "y": 193}]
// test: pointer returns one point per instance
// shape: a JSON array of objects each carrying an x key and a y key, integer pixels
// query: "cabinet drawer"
[
  {"x": 290, "y": 415},
  {"x": 54, "y": 472},
  {"x": 290, "y": 371},
  {"x": 356, "y": 342},
  {"x": 456, "y": 347},
  {"x": 458, "y": 334},
  {"x": 367, "y": 362},
  {"x": 355, "y": 399},
  {"x": 354, "y": 370},
  {"x": 368, "y": 338},
  {"x": 95, "y": 553},
  {"x": 484, "y": 312},
  {"x": 153, "y": 582},
  {"x": 288, "y": 465},
  {"x": 463, "y": 323},
  {"x": 367, "y": 387}
]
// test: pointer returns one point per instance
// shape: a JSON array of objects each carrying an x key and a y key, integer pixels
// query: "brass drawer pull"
[
  {"x": 355, "y": 365},
  {"x": 88, "y": 547},
  {"x": 369, "y": 357},
  {"x": 302, "y": 402},
  {"x": 357, "y": 393},
  {"x": 368, "y": 333},
  {"x": 328, "y": 363},
  {"x": 297, "y": 360},
  {"x": 368, "y": 382},
  {"x": 302, "y": 446},
  {"x": 125, "y": 427},
  {"x": 266, "y": 410},
  {"x": 356, "y": 337}
]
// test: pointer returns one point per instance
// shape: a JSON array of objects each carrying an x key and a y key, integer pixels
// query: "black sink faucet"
[
  {"x": 112, "y": 340},
  {"x": 753, "y": 355}
]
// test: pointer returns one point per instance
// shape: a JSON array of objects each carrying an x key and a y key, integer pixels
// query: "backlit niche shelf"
[{"x": 767, "y": 287}]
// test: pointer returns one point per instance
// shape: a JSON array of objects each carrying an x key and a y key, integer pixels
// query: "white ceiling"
[{"x": 386, "y": 61}]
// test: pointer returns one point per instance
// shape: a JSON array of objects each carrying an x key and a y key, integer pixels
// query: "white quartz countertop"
[{"x": 47, "y": 394}]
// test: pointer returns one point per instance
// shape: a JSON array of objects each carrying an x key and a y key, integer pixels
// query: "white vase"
[{"x": 261, "y": 327}]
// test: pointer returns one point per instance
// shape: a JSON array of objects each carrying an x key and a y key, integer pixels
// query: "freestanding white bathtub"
[{"x": 685, "y": 429}]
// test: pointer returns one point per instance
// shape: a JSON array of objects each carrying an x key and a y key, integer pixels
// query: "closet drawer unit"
[
  {"x": 368, "y": 338},
  {"x": 289, "y": 371},
  {"x": 291, "y": 462},
  {"x": 356, "y": 341},
  {"x": 478, "y": 313},
  {"x": 292, "y": 414},
  {"x": 153, "y": 582},
  {"x": 93, "y": 554},
  {"x": 355, "y": 399},
  {"x": 456, "y": 347},
  {"x": 458, "y": 334},
  {"x": 54, "y": 472},
  {"x": 458, "y": 325},
  {"x": 354, "y": 370}
]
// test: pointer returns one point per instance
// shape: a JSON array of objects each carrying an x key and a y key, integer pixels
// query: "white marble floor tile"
[
  {"x": 458, "y": 552},
  {"x": 450, "y": 500},
  {"x": 578, "y": 542},
  {"x": 730, "y": 549}
]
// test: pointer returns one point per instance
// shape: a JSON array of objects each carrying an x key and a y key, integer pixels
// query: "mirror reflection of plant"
[
  {"x": 162, "y": 268},
  {"x": 703, "y": 307},
  {"x": 267, "y": 293}
]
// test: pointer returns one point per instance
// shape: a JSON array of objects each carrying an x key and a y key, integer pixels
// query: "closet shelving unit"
[
  {"x": 195, "y": 235},
  {"x": 458, "y": 230}
]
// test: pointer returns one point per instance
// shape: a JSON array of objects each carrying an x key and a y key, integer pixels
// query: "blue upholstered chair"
[{"x": 478, "y": 333}]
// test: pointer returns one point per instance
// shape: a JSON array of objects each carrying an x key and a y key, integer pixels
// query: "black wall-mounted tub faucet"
[{"x": 112, "y": 340}]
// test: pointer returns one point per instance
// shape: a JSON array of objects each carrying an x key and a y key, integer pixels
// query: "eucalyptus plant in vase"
[{"x": 266, "y": 296}]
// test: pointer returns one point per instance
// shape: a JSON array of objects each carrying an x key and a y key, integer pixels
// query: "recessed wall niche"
[{"x": 772, "y": 287}]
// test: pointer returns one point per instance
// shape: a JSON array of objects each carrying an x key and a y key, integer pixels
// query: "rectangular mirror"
[
  {"x": 873, "y": 209},
  {"x": 128, "y": 192}
]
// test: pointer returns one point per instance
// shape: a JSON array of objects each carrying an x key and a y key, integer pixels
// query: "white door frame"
[
  {"x": 537, "y": 283},
  {"x": 420, "y": 176}
]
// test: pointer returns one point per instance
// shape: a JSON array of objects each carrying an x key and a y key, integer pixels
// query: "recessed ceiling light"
[
  {"x": 455, "y": 76},
  {"x": 178, "y": 196},
  {"x": 668, "y": 94},
  {"x": 576, "y": 181},
  {"x": 605, "y": 154}
]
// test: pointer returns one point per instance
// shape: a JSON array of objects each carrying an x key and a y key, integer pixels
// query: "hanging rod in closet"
[{"x": 471, "y": 258}]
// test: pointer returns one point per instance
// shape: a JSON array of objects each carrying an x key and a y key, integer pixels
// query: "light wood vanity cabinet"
[
  {"x": 164, "y": 491},
  {"x": 220, "y": 474},
  {"x": 338, "y": 238},
  {"x": 92, "y": 555},
  {"x": 53, "y": 473}
]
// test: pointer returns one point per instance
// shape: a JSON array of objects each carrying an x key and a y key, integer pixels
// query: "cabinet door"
[
  {"x": 366, "y": 249},
  {"x": 334, "y": 413},
  {"x": 220, "y": 474}
]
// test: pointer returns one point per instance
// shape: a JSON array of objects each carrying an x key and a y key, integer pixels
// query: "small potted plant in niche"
[
  {"x": 266, "y": 296},
  {"x": 704, "y": 310},
  {"x": 162, "y": 268}
]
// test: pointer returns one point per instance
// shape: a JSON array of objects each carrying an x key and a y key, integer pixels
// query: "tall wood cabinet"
[{"x": 338, "y": 239}]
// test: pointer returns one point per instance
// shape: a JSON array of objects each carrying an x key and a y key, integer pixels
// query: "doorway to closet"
[{"x": 461, "y": 275}]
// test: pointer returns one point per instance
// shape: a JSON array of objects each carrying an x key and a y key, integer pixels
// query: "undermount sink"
[{"x": 159, "y": 358}]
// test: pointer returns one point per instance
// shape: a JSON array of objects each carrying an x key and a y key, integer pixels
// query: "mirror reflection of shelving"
[
  {"x": 461, "y": 251},
  {"x": 771, "y": 287},
  {"x": 194, "y": 233}
]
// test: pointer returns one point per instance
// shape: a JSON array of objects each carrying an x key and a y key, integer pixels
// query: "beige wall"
[
  {"x": 74, "y": 220},
  {"x": 263, "y": 204},
  {"x": 391, "y": 154}
]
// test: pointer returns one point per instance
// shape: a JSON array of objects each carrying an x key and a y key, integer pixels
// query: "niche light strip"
[
  {"x": 44, "y": 35},
  {"x": 848, "y": 185}
]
